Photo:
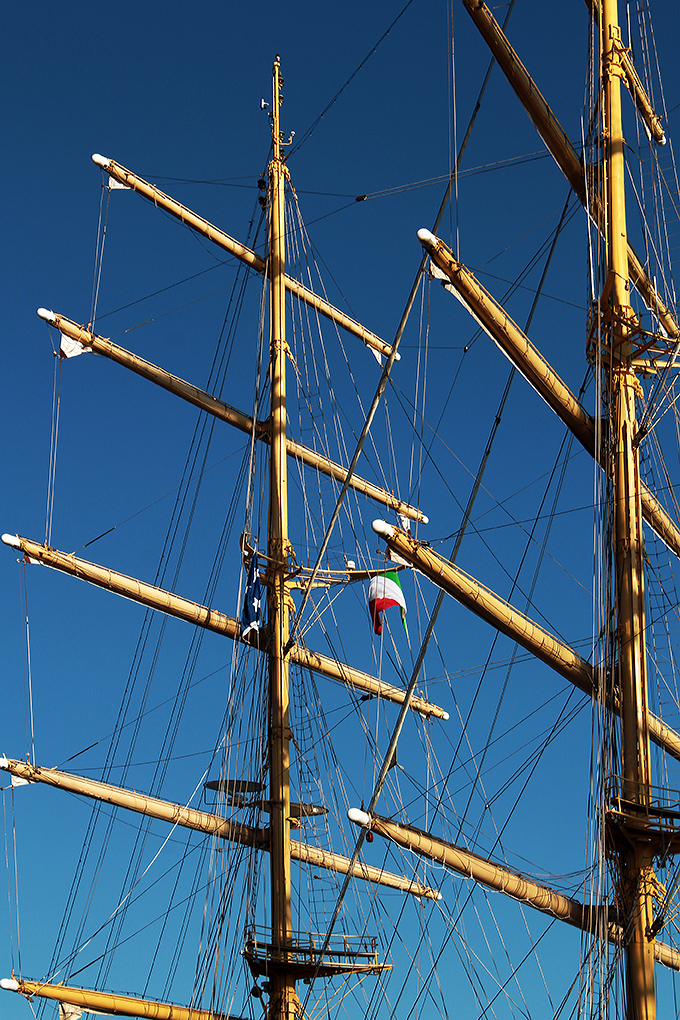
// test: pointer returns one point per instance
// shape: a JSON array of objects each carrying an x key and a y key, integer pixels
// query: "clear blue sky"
[{"x": 172, "y": 91}]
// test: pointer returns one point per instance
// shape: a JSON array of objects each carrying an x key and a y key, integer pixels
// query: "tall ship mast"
[{"x": 352, "y": 821}]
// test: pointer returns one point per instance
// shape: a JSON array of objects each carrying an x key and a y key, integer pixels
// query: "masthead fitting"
[{"x": 47, "y": 315}]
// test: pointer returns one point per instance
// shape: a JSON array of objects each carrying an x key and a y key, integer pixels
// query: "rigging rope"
[
  {"x": 99, "y": 251},
  {"x": 390, "y": 360},
  {"x": 54, "y": 436},
  {"x": 9, "y": 881},
  {"x": 16, "y": 879},
  {"x": 467, "y": 515},
  {"x": 218, "y": 370},
  {"x": 28, "y": 673},
  {"x": 353, "y": 75}
]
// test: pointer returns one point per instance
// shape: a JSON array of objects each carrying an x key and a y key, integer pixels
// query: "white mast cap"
[
  {"x": 382, "y": 528},
  {"x": 427, "y": 238}
]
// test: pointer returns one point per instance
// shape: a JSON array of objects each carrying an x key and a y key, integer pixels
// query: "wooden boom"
[
  {"x": 240, "y": 251},
  {"x": 202, "y": 616},
  {"x": 108, "y": 1003},
  {"x": 209, "y": 823},
  {"x": 187, "y": 391},
  {"x": 560, "y": 147},
  {"x": 511, "y": 883},
  {"x": 495, "y": 321},
  {"x": 485, "y": 604}
]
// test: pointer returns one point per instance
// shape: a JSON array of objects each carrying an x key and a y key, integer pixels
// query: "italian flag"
[{"x": 385, "y": 591}]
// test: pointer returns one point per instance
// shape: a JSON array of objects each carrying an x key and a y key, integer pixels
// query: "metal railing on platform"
[
  {"x": 305, "y": 948},
  {"x": 629, "y": 805}
]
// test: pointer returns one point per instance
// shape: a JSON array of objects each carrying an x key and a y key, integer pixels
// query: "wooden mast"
[
  {"x": 282, "y": 1002},
  {"x": 635, "y": 872}
]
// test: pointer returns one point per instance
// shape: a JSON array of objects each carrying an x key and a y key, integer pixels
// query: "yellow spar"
[{"x": 211, "y": 619}]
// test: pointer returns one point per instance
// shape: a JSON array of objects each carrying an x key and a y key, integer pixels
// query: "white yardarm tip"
[
  {"x": 426, "y": 520},
  {"x": 101, "y": 161},
  {"x": 382, "y": 528},
  {"x": 445, "y": 717},
  {"x": 9, "y": 984},
  {"x": 427, "y": 238},
  {"x": 47, "y": 315},
  {"x": 11, "y": 540},
  {"x": 359, "y": 817}
]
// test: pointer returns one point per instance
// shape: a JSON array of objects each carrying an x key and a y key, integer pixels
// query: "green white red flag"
[{"x": 385, "y": 591}]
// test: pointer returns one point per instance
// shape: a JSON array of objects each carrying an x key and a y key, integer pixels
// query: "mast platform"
[
  {"x": 655, "y": 822},
  {"x": 304, "y": 958}
]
